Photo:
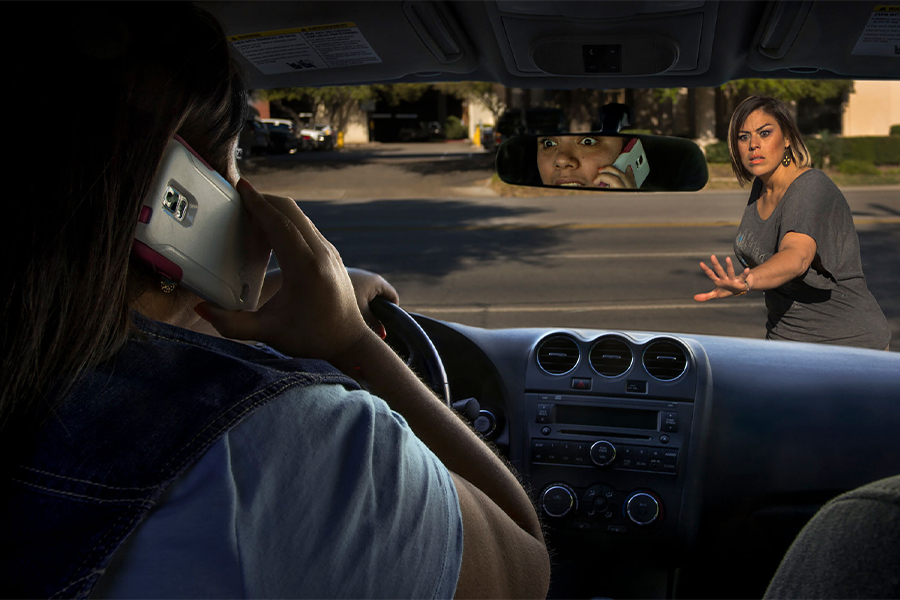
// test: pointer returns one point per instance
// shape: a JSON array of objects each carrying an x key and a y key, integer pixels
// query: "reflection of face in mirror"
[{"x": 582, "y": 161}]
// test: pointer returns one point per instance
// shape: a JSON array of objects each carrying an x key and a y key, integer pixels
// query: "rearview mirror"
[{"x": 603, "y": 162}]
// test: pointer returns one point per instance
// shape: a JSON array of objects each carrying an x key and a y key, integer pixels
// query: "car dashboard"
[{"x": 674, "y": 465}]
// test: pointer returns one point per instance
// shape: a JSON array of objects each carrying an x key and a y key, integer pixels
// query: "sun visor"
[
  {"x": 291, "y": 44},
  {"x": 793, "y": 36}
]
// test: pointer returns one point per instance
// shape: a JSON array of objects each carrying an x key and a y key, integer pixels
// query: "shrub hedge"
[
  {"x": 857, "y": 167},
  {"x": 454, "y": 128},
  {"x": 717, "y": 152},
  {"x": 875, "y": 150}
]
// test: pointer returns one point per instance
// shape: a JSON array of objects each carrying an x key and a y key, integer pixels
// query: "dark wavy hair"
[
  {"x": 778, "y": 111},
  {"x": 106, "y": 85}
]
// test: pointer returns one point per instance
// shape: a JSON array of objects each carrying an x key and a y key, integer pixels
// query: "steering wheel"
[{"x": 423, "y": 356}]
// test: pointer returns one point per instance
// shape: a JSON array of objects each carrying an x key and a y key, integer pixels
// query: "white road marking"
[
  {"x": 579, "y": 308},
  {"x": 589, "y": 256}
]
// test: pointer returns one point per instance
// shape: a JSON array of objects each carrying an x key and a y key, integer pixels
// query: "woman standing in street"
[{"x": 796, "y": 240}]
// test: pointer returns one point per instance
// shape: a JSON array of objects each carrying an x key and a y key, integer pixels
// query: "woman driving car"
[{"x": 145, "y": 458}]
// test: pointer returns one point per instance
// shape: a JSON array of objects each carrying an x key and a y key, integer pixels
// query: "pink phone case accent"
[{"x": 160, "y": 264}]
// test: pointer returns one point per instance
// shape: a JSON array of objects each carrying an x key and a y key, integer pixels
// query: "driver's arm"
[
  {"x": 314, "y": 314},
  {"x": 504, "y": 555}
]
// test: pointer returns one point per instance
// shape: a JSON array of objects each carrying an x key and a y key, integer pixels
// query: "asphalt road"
[{"x": 424, "y": 216}]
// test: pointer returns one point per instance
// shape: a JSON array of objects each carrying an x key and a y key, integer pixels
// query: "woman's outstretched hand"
[
  {"x": 314, "y": 314},
  {"x": 726, "y": 282}
]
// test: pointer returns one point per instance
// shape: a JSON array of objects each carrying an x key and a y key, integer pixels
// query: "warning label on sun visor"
[
  {"x": 306, "y": 48},
  {"x": 881, "y": 37}
]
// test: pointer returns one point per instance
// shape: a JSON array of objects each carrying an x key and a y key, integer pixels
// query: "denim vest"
[{"x": 128, "y": 429}]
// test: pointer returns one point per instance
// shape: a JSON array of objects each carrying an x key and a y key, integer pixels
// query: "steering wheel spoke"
[{"x": 422, "y": 356}]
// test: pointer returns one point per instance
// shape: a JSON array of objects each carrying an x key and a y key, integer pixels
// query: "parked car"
[
  {"x": 282, "y": 139},
  {"x": 254, "y": 139},
  {"x": 487, "y": 137},
  {"x": 423, "y": 132},
  {"x": 321, "y": 136}
]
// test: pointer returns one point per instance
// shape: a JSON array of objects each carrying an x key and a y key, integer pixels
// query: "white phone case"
[
  {"x": 193, "y": 229},
  {"x": 633, "y": 156}
]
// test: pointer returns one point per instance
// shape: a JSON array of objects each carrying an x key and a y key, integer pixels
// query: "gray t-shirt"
[{"x": 830, "y": 304}]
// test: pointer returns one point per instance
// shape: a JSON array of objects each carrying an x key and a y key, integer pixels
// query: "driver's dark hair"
[
  {"x": 777, "y": 110},
  {"x": 105, "y": 86}
]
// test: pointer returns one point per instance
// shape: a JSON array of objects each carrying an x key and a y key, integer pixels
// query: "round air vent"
[
  {"x": 611, "y": 356},
  {"x": 665, "y": 360},
  {"x": 558, "y": 354}
]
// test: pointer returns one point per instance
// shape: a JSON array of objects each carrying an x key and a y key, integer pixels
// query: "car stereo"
[{"x": 606, "y": 457}]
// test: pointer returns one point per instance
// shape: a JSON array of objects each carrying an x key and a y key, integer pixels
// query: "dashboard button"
[
  {"x": 552, "y": 451},
  {"x": 603, "y": 453},
  {"x": 641, "y": 458},
  {"x": 582, "y": 455},
  {"x": 670, "y": 422},
  {"x": 581, "y": 383},
  {"x": 642, "y": 508},
  {"x": 538, "y": 450},
  {"x": 558, "y": 500},
  {"x": 543, "y": 413}
]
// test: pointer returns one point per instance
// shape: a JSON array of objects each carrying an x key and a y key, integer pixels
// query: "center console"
[{"x": 608, "y": 427}]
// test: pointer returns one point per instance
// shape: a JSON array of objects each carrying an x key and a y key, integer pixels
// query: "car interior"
[{"x": 663, "y": 464}]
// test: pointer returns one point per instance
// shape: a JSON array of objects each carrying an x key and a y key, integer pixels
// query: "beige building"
[{"x": 872, "y": 108}]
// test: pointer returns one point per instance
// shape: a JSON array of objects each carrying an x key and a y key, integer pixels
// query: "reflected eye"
[
  {"x": 546, "y": 143},
  {"x": 589, "y": 141}
]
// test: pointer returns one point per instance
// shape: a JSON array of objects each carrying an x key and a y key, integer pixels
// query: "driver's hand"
[
  {"x": 314, "y": 314},
  {"x": 367, "y": 285},
  {"x": 611, "y": 177}
]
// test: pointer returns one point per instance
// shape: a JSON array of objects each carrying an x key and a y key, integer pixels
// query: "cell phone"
[
  {"x": 633, "y": 156},
  {"x": 194, "y": 230}
]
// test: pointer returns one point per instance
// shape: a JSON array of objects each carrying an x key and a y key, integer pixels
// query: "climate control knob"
[
  {"x": 603, "y": 453},
  {"x": 558, "y": 500},
  {"x": 642, "y": 508}
]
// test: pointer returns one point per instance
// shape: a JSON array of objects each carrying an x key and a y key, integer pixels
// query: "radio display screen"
[{"x": 605, "y": 416}]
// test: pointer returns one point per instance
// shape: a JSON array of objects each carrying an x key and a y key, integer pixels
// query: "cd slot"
[{"x": 618, "y": 434}]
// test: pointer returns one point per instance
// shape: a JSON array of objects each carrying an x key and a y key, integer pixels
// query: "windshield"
[{"x": 431, "y": 216}]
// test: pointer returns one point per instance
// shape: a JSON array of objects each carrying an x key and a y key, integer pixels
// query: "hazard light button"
[{"x": 581, "y": 383}]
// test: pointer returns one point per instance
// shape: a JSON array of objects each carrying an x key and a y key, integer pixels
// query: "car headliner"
[{"x": 538, "y": 44}]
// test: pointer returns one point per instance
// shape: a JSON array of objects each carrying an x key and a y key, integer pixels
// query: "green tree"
[
  {"x": 337, "y": 103},
  {"x": 786, "y": 90},
  {"x": 395, "y": 93},
  {"x": 789, "y": 90}
]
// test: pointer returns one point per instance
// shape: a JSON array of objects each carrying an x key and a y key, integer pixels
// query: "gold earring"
[
  {"x": 786, "y": 161},
  {"x": 166, "y": 284}
]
